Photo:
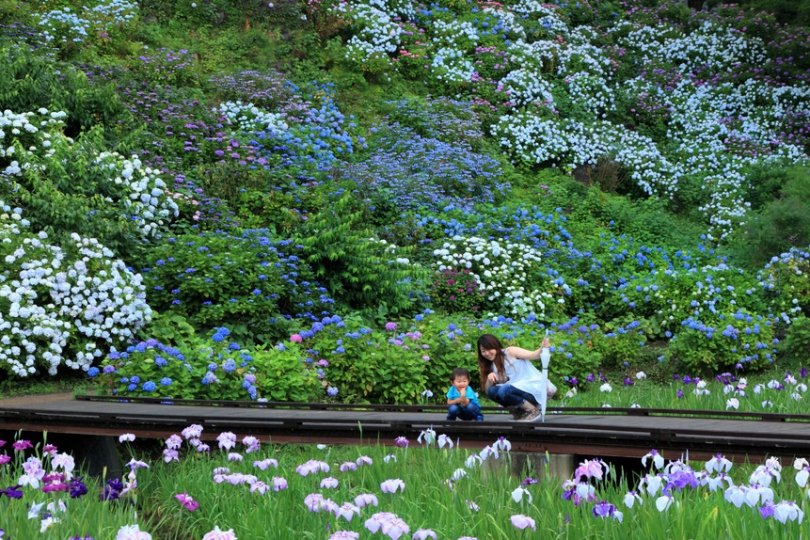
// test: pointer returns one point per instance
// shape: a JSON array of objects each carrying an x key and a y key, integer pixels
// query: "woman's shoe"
[{"x": 530, "y": 416}]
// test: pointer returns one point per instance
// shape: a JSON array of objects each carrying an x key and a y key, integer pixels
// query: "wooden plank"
[{"x": 629, "y": 433}]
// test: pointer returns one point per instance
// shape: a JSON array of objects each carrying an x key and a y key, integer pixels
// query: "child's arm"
[{"x": 461, "y": 400}]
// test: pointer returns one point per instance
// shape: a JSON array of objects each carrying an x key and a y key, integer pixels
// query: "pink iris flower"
[{"x": 187, "y": 501}]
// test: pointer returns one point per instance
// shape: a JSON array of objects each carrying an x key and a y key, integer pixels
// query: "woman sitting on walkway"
[{"x": 510, "y": 379}]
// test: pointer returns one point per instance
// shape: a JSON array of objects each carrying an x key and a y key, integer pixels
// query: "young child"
[{"x": 462, "y": 401}]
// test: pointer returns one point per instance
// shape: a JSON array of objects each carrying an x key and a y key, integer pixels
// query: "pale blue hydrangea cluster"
[
  {"x": 28, "y": 132},
  {"x": 63, "y": 26},
  {"x": 795, "y": 261},
  {"x": 543, "y": 14},
  {"x": 377, "y": 30},
  {"x": 31, "y": 136},
  {"x": 705, "y": 118},
  {"x": 721, "y": 47},
  {"x": 526, "y": 86},
  {"x": 61, "y": 307},
  {"x": 249, "y": 118},
  {"x": 149, "y": 202},
  {"x": 500, "y": 270}
]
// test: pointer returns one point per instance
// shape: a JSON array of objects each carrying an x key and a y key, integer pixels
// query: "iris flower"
[
  {"x": 631, "y": 497},
  {"x": 344, "y": 535},
  {"x": 218, "y": 534},
  {"x": 266, "y": 464},
  {"x": 330, "y": 483},
  {"x": 279, "y": 483},
  {"x": 227, "y": 440},
  {"x": 718, "y": 464},
  {"x": 365, "y": 499},
  {"x": 401, "y": 442},
  {"x": 347, "y": 511},
  {"x": 391, "y": 486},
  {"x": 13, "y": 492},
  {"x": 523, "y": 522},
  {"x": 520, "y": 493},
  {"x": 187, "y": 501},
  {"x": 604, "y": 509},
  {"x": 429, "y": 435},
  {"x": 444, "y": 440},
  {"x": 657, "y": 459}
]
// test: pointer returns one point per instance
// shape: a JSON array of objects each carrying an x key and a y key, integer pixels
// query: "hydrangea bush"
[
  {"x": 503, "y": 272},
  {"x": 71, "y": 186},
  {"x": 62, "y": 305},
  {"x": 92, "y": 25},
  {"x": 218, "y": 368}
]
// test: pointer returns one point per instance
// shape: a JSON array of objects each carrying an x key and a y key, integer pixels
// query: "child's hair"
[{"x": 459, "y": 372}]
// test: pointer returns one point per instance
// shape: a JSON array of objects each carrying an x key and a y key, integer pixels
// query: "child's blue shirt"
[{"x": 469, "y": 394}]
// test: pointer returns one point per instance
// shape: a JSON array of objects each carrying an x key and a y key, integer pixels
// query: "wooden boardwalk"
[{"x": 590, "y": 432}]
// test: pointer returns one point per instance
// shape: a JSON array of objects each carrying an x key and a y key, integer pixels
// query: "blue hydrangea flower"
[{"x": 229, "y": 366}]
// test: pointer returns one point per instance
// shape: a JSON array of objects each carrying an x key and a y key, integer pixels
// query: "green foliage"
[
  {"x": 785, "y": 11},
  {"x": 621, "y": 343},
  {"x": 214, "y": 368},
  {"x": 781, "y": 224},
  {"x": 716, "y": 342},
  {"x": 456, "y": 292},
  {"x": 30, "y": 81},
  {"x": 171, "y": 329},
  {"x": 167, "y": 67},
  {"x": 244, "y": 282},
  {"x": 785, "y": 281},
  {"x": 287, "y": 374},
  {"x": 392, "y": 366},
  {"x": 14, "y": 11},
  {"x": 71, "y": 188},
  {"x": 357, "y": 269},
  {"x": 795, "y": 345}
]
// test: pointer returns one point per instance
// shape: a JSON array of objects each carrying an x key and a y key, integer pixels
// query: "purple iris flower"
[
  {"x": 12, "y": 492},
  {"x": 603, "y": 509},
  {"x": 77, "y": 488}
]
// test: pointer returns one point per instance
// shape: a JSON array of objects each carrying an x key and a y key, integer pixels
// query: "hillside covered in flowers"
[{"x": 198, "y": 197}]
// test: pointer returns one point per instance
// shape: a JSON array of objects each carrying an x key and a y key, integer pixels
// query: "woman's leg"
[{"x": 509, "y": 396}]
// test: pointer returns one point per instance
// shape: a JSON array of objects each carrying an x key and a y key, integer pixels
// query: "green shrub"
[
  {"x": 209, "y": 369},
  {"x": 785, "y": 282},
  {"x": 456, "y": 292},
  {"x": 76, "y": 187},
  {"x": 795, "y": 345},
  {"x": 251, "y": 283},
  {"x": 781, "y": 224},
  {"x": 357, "y": 269},
  {"x": 31, "y": 81},
  {"x": 716, "y": 342}
]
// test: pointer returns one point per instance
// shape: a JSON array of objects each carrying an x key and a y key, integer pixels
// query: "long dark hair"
[{"x": 489, "y": 342}]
